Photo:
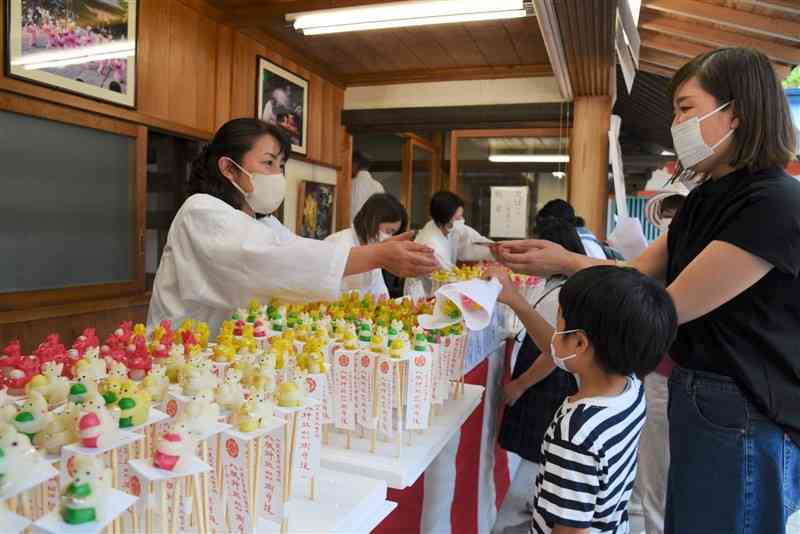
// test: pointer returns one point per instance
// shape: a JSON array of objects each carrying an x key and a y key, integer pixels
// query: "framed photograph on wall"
[
  {"x": 86, "y": 47},
  {"x": 282, "y": 99},
  {"x": 316, "y": 207}
]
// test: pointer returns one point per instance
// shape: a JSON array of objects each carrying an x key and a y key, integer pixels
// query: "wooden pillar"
[
  {"x": 453, "y": 180},
  {"x": 407, "y": 170},
  {"x": 344, "y": 182},
  {"x": 436, "y": 162},
  {"x": 588, "y": 166}
]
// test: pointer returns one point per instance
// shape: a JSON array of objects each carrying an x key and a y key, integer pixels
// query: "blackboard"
[{"x": 67, "y": 214}]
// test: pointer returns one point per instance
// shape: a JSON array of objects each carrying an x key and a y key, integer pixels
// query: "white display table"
[
  {"x": 345, "y": 503},
  {"x": 12, "y": 523},
  {"x": 399, "y": 473},
  {"x": 52, "y": 523}
]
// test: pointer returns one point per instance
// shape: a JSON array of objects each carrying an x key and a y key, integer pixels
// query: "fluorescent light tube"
[
  {"x": 401, "y": 14},
  {"x": 405, "y": 23},
  {"x": 529, "y": 158},
  {"x": 667, "y": 153}
]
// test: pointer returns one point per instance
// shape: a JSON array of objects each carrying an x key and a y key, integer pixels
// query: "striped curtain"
[{"x": 635, "y": 209}]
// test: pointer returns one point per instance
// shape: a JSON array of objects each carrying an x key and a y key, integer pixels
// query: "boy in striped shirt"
[{"x": 613, "y": 326}]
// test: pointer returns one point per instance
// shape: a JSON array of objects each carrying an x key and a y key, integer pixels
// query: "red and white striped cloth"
[{"x": 463, "y": 488}]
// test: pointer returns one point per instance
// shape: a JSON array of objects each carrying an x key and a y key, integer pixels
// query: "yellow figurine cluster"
[{"x": 459, "y": 274}]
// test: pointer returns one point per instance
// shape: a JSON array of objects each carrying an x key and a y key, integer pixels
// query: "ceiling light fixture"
[
  {"x": 404, "y": 14},
  {"x": 667, "y": 153},
  {"x": 529, "y": 158},
  {"x": 560, "y": 174}
]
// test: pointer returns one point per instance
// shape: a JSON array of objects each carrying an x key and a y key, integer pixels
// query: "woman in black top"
[
  {"x": 536, "y": 390},
  {"x": 731, "y": 261}
]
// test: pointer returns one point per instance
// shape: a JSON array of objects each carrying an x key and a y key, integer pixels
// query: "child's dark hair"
[
  {"x": 233, "y": 140},
  {"x": 379, "y": 208},
  {"x": 560, "y": 209},
  {"x": 444, "y": 205},
  {"x": 561, "y": 232},
  {"x": 629, "y": 318}
]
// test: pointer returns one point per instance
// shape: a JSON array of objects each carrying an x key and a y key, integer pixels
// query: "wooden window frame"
[
  {"x": 27, "y": 300},
  {"x": 457, "y": 135},
  {"x": 407, "y": 167}
]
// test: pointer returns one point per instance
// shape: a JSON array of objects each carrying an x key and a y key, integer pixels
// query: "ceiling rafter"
[
  {"x": 679, "y": 47},
  {"x": 789, "y": 7},
  {"x": 655, "y": 69},
  {"x": 446, "y": 74},
  {"x": 708, "y": 35},
  {"x": 661, "y": 59},
  {"x": 736, "y": 19}
]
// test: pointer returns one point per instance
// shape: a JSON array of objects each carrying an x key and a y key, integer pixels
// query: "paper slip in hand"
[
  {"x": 475, "y": 299},
  {"x": 628, "y": 237}
]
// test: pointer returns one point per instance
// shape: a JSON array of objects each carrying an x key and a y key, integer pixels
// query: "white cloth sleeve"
[
  {"x": 466, "y": 251},
  {"x": 226, "y": 257}
]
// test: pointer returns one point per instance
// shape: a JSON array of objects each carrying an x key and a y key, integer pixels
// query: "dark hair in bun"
[
  {"x": 561, "y": 209},
  {"x": 233, "y": 140}
]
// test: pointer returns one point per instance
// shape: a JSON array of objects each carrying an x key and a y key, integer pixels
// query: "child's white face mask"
[{"x": 559, "y": 361}]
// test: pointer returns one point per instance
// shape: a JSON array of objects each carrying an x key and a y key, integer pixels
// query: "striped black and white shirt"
[{"x": 589, "y": 457}]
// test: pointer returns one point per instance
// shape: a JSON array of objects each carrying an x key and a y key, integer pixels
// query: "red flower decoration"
[
  {"x": 311, "y": 384},
  {"x": 135, "y": 486},
  {"x": 232, "y": 447}
]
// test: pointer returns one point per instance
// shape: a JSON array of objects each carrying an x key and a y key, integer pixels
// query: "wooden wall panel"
[
  {"x": 316, "y": 108},
  {"x": 224, "y": 75},
  {"x": 243, "y": 91},
  {"x": 181, "y": 76},
  {"x": 194, "y": 73},
  {"x": 153, "y": 44},
  {"x": 329, "y": 128},
  {"x": 206, "y": 74}
]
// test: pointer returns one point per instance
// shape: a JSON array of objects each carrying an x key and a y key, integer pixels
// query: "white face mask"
[
  {"x": 383, "y": 236},
  {"x": 269, "y": 190},
  {"x": 458, "y": 224},
  {"x": 556, "y": 360},
  {"x": 688, "y": 140}
]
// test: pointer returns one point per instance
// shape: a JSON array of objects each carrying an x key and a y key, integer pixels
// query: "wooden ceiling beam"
[
  {"x": 448, "y": 74},
  {"x": 662, "y": 59},
  {"x": 588, "y": 34},
  {"x": 250, "y": 14},
  {"x": 679, "y": 47},
  {"x": 731, "y": 18},
  {"x": 655, "y": 69},
  {"x": 790, "y": 7},
  {"x": 713, "y": 37}
]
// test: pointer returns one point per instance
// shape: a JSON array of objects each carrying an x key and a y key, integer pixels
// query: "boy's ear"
[{"x": 581, "y": 342}]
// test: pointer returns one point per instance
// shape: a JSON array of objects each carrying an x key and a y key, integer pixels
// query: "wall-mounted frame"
[
  {"x": 316, "y": 209},
  {"x": 83, "y": 47},
  {"x": 282, "y": 99},
  {"x": 132, "y": 186}
]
